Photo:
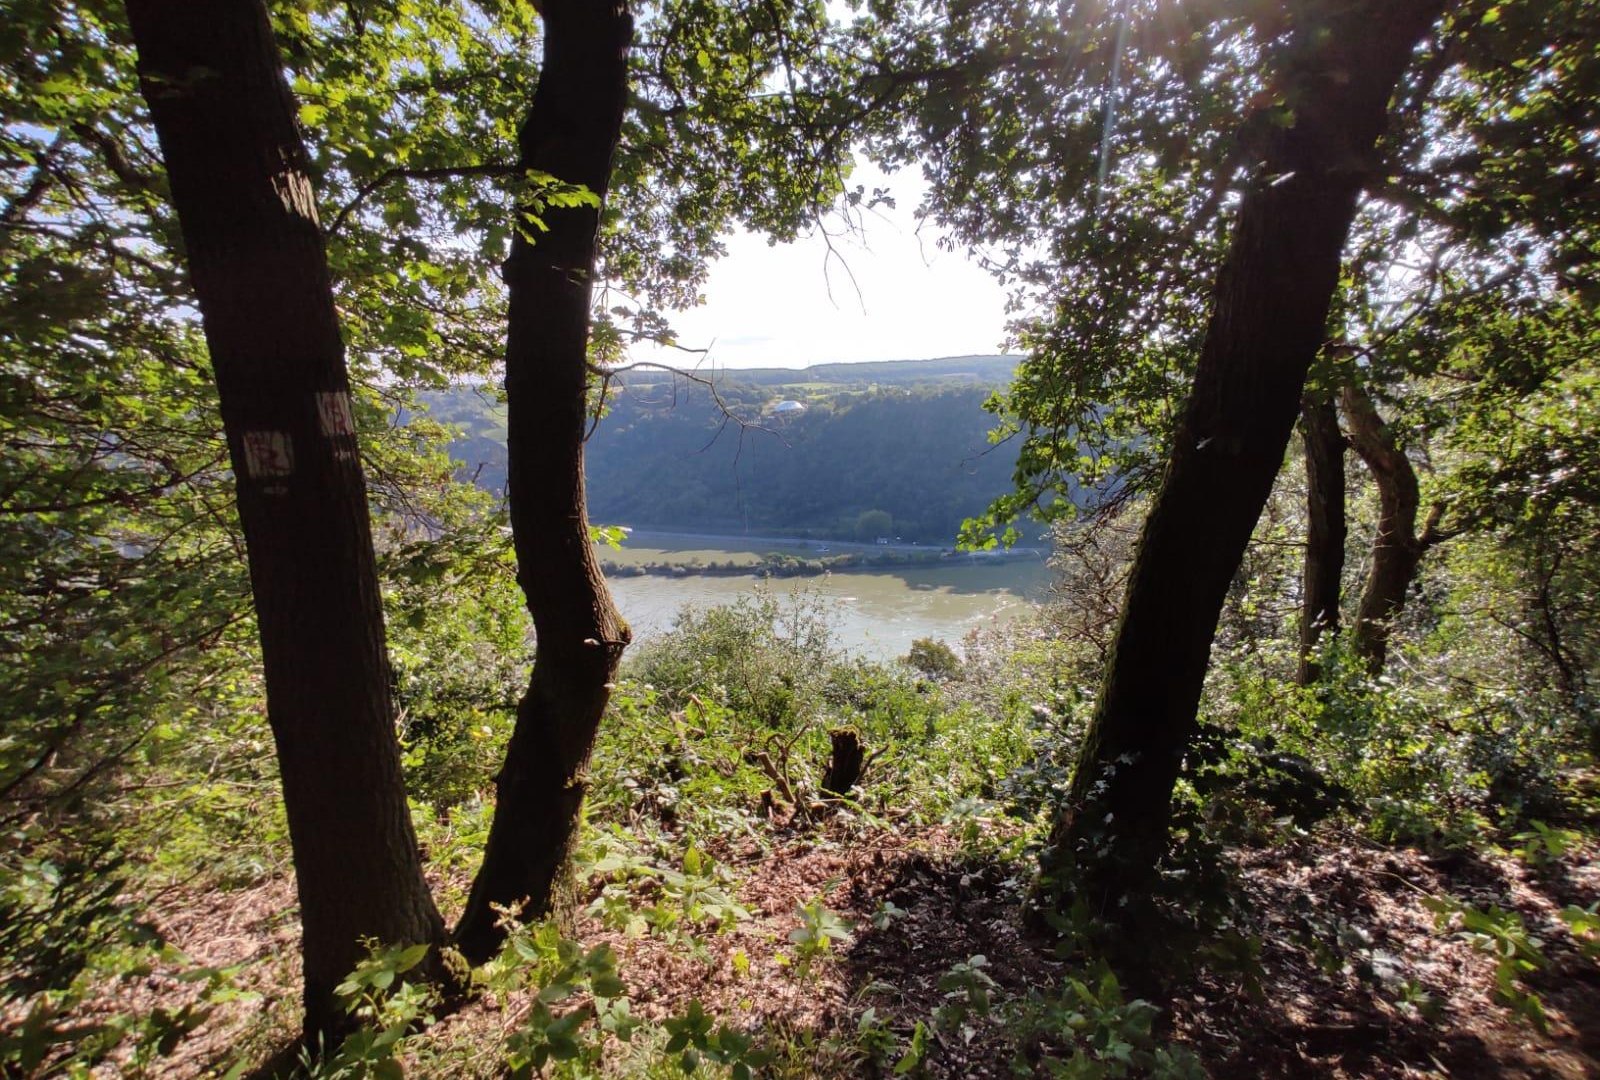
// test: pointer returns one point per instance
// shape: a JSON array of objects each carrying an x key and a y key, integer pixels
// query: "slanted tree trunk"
[
  {"x": 1397, "y": 547},
  {"x": 571, "y": 133},
  {"x": 213, "y": 81},
  {"x": 1268, "y": 320},
  {"x": 1325, "y": 529}
]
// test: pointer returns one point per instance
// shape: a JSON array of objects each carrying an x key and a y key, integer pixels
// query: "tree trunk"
[
  {"x": 1325, "y": 529},
  {"x": 1397, "y": 549},
  {"x": 1268, "y": 320},
  {"x": 211, "y": 75},
  {"x": 571, "y": 133}
]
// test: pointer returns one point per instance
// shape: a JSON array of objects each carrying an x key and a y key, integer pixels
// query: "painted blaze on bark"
[
  {"x": 1268, "y": 320},
  {"x": 225, "y": 118},
  {"x": 570, "y": 133}
]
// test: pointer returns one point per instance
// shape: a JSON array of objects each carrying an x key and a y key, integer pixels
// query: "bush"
[{"x": 934, "y": 659}]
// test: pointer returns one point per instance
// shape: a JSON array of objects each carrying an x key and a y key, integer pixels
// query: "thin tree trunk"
[
  {"x": 571, "y": 133},
  {"x": 212, "y": 78},
  {"x": 1548, "y": 638},
  {"x": 1325, "y": 529},
  {"x": 1268, "y": 320},
  {"x": 1397, "y": 547}
]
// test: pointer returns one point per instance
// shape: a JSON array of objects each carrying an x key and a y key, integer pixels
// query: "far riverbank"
[{"x": 656, "y": 553}]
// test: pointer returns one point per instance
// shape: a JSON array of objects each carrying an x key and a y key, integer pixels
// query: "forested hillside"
[{"x": 904, "y": 439}]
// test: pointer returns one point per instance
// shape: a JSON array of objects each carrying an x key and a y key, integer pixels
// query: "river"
[{"x": 876, "y": 612}]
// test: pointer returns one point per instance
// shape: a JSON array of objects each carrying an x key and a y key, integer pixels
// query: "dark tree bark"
[
  {"x": 846, "y": 763},
  {"x": 1397, "y": 547},
  {"x": 211, "y": 75},
  {"x": 571, "y": 133},
  {"x": 1325, "y": 529},
  {"x": 1268, "y": 320}
]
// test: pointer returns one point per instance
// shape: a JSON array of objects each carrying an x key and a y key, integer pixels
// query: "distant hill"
[
  {"x": 978, "y": 370},
  {"x": 842, "y": 451}
]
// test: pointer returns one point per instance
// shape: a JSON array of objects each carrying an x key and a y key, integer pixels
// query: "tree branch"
[
  {"x": 115, "y": 158},
  {"x": 444, "y": 172},
  {"x": 29, "y": 197}
]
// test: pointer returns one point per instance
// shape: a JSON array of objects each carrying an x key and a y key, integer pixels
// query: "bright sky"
[{"x": 771, "y": 306}]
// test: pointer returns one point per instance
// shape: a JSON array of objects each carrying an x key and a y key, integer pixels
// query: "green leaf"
[{"x": 554, "y": 992}]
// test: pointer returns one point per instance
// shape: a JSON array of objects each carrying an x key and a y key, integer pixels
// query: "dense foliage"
[{"x": 794, "y": 862}]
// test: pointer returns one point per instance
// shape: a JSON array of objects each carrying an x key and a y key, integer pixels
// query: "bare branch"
[{"x": 609, "y": 373}]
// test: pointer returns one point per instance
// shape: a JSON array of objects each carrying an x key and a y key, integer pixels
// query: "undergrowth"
[{"x": 712, "y": 760}]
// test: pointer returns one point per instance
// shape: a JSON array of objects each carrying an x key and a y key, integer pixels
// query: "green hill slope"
[{"x": 894, "y": 449}]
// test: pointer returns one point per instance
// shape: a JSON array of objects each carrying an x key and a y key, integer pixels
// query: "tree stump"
[{"x": 845, "y": 765}]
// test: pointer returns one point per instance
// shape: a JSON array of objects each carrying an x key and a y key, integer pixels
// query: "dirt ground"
[{"x": 1318, "y": 1011}]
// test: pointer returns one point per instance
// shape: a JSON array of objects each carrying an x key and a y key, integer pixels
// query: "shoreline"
[
  {"x": 644, "y": 537},
  {"x": 866, "y": 557}
]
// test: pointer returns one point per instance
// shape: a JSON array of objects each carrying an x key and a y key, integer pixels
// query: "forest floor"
[{"x": 1351, "y": 976}]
